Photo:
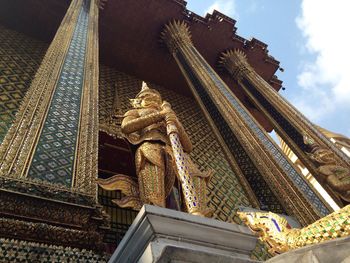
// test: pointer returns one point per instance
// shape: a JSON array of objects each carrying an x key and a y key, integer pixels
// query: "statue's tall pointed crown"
[
  {"x": 146, "y": 89},
  {"x": 144, "y": 86}
]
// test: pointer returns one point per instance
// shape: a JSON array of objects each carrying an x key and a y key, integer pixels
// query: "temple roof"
[{"x": 129, "y": 38}]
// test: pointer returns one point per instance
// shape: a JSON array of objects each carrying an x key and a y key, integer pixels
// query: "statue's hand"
[
  {"x": 170, "y": 117},
  {"x": 168, "y": 113},
  {"x": 166, "y": 108},
  {"x": 171, "y": 121}
]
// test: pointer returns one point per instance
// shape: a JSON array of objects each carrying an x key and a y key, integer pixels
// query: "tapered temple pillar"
[
  {"x": 324, "y": 160},
  {"x": 48, "y": 159},
  {"x": 260, "y": 161}
]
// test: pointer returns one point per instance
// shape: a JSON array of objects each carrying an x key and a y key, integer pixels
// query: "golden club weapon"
[{"x": 190, "y": 191}]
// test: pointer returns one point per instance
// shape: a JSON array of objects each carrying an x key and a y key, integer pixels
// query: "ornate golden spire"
[
  {"x": 235, "y": 62},
  {"x": 176, "y": 34}
]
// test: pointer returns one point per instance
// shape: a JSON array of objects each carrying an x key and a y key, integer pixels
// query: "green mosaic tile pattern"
[
  {"x": 23, "y": 251},
  {"x": 54, "y": 156},
  {"x": 20, "y": 57},
  {"x": 225, "y": 190}
]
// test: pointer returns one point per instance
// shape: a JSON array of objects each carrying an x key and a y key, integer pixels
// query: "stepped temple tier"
[{"x": 138, "y": 131}]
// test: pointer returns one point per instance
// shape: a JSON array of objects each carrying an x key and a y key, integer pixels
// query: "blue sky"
[{"x": 310, "y": 39}]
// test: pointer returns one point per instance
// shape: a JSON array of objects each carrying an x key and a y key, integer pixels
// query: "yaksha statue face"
[{"x": 147, "y": 98}]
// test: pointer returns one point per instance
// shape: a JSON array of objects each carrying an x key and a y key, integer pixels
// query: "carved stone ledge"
[
  {"x": 36, "y": 218},
  {"x": 46, "y": 191}
]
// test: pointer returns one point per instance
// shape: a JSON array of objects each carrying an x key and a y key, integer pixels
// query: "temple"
[{"x": 118, "y": 117}]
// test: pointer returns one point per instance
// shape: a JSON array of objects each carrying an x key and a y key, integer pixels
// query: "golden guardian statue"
[
  {"x": 333, "y": 173},
  {"x": 161, "y": 158}
]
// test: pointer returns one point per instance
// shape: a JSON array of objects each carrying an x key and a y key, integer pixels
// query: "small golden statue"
[
  {"x": 335, "y": 175},
  {"x": 160, "y": 158}
]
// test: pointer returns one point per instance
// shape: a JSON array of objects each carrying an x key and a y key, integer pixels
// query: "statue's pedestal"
[
  {"x": 163, "y": 235},
  {"x": 333, "y": 251}
]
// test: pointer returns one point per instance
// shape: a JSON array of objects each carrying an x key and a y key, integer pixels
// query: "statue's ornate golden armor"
[
  {"x": 148, "y": 126},
  {"x": 152, "y": 158}
]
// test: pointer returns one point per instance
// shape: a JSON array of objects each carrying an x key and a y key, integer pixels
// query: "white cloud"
[
  {"x": 326, "y": 79},
  {"x": 227, "y": 7}
]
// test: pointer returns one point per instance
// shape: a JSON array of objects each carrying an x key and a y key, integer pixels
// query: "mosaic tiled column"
[
  {"x": 256, "y": 155},
  {"x": 48, "y": 158},
  {"x": 54, "y": 136},
  {"x": 289, "y": 123}
]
